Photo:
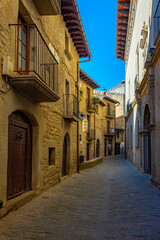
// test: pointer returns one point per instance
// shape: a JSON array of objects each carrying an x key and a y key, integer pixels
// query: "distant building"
[{"x": 117, "y": 93}]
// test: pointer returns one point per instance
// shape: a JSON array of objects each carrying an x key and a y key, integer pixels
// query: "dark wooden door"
[
  {"x": 19, "y": 155},
  {"x": 109, "y": 147},
  {"x": 97, "y": 148},
  {"x": 105, "y": 147},
  {"x": 64, "y": 161},
  {"x": 117, "y": 150},
  {"x": 87, "y": 151}
]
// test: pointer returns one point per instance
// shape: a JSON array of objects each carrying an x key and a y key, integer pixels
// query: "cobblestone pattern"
[{"x": 111, "y": 201}]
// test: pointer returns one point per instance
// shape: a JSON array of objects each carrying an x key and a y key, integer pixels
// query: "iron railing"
[
  {"x": 110, "y": 113},
  {"x": 38, "y": 57},
  {"x": 91, "y": 106},
  {"x": 157, "y": 21},
  {"x": 111, "y": 130},
  {"x": 91, "y": 133},
  {"x": 71, "y": 105}
]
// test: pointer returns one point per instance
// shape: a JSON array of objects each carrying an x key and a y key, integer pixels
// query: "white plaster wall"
[{"x": 142, "y": 15}]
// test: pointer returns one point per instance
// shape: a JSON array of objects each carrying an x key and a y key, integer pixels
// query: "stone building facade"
[
  {"x": 117, "y": 93},
  {"x": 39, "y": 54},
  {"x": 140, "y": 51},
  {"x": 109, "y": 127},
  {"x": 87, "y": 125},
  {"x": 97, "y": 125}
]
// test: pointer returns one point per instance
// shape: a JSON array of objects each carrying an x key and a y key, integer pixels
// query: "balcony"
[
  {"x": 109, "y": 131},
  {"x": 36, "y": 70},
  {"x": 71, "y": 107},
  {"x": 157, "y": 21},
  {"x": 110, "y": 113},
  {"x": 91, "y": 134},
  {"x": 48, "y": 7},
  {"x": 91, "y": 106}
]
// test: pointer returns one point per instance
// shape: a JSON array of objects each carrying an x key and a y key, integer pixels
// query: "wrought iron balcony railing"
[
  {"x": 91, "y": 106},
  {"x": 33, "y": 57},
  {"x": 157, "y": 21},
  {"x": 109, "y": 131},
  {"x": 71, "y": 107},
  {"x": 110, "y": 113},
  {"x": 91, "y": 134}
]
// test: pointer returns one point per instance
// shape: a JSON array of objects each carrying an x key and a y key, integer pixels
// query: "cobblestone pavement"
[{"x": 111, "y": 201}]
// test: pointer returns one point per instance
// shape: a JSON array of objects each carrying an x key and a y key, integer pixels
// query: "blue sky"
[{"x": 99, "y": 22}]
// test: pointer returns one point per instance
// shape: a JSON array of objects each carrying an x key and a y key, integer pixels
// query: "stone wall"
[{"x": 48, "y": 124}]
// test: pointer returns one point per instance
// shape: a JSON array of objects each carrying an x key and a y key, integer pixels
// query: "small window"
[
  {"x": 108, "y": 109},
  {"x": 51, "y": 156},
  {"x": 66, "y": 42},
  {"x": 97, "y": 110}
]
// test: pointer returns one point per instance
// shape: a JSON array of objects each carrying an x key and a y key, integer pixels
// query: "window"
[
  {"x": 22, "y": 46},
  {"x": 67, "y": 47},
  {"x": 108, "y": 109},
  {"x": 51, "y": 156},
  {"x": 66, "y": 42},
  {"x": 88, "y": 123},
  {"x": 97, "y": 109}
]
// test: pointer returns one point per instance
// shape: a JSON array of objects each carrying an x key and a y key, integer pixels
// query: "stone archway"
[
  {"x": 147, "y": 140},
  {"x": 19, "y": 169}
]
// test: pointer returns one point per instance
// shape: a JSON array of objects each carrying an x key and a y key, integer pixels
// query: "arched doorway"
[
  {"x": 65, "y": 155},
  {"x": 19, "y": 169},
  {"x": 97, "y": 148},
  {"x": 147, "y": 141}
]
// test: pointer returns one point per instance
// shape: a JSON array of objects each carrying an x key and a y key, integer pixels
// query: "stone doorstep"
[
  {"x": 17, "y": 202},
  {"x": 65, "y": 177},
  {"x": 91, "y": 163}
]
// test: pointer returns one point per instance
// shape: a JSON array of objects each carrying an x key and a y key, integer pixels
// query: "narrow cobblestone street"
[{"x": 111, "y": 201}]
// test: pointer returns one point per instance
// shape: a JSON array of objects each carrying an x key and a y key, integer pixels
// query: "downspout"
[
  {"x": 94, "y": 135},
  {"x": 78, "y": 74},
  {"x": 115, "y": 127}
]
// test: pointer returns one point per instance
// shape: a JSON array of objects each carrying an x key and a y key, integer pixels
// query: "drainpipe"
[
  {"x": 78, "y": 74},
  {"x": 94, "y": 135},
  {"x": 116, "y": 105}
]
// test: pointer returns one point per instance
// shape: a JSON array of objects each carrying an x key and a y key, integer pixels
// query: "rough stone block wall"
[{"x": 48, "y": 123}]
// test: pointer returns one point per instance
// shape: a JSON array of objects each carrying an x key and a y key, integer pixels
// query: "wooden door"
[
  {"x": 97, "y": 148},
  {"x": 87, "y": 151},
  {"x": 105, "y": 147},
  {"x": 64, "y": 161},
  {"x": 109, "y": 147},
  {"x": 19, "y": 155},
  {"x": 117, "y": 150}
]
